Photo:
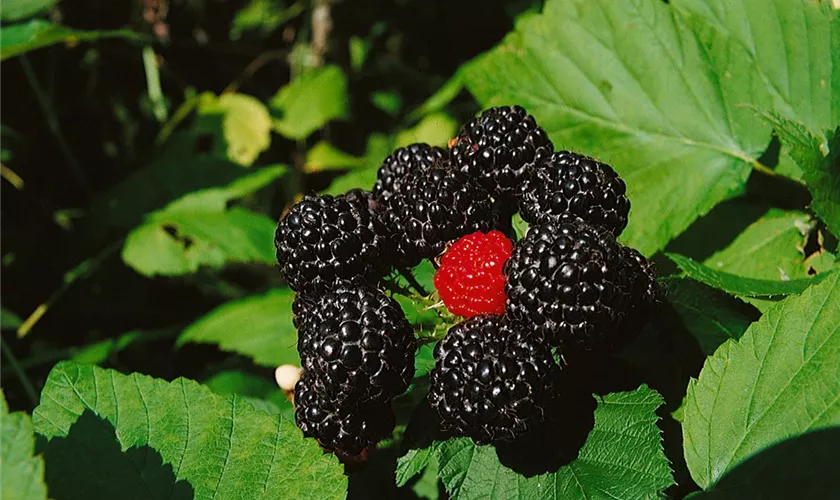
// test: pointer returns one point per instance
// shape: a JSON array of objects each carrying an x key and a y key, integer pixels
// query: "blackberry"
[
  {"x": 434, "y": 207},
  {"x": 348, "y": 430},
  {"x": 499, "y": 147},
  {"x": 402, "y": 162},
  {"x": 570, "y": 280},
  {"x": 572, "y": 183},
  {"x": 492, "y": 381},
  {"x": 325, "y": 241},
  {"x": 645, "y": 294},
  {"x": 357, "y": 342}
]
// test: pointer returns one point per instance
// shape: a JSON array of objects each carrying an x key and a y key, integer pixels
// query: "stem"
[
  {"x": 255, "y": 66},
  {"x": 24, "y": 380},
  {"x": 153, "y": 87},
  {"x": 409, "y": 276},
  {"x": 84, "y": 269},
  {"x": 55, "y": 126}
]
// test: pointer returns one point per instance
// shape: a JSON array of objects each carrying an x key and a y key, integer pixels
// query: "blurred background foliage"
[{"x": 149, "y": 146}]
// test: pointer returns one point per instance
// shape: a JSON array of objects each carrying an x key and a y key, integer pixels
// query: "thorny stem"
[
  {"x": 84, "y": 269},
  {"x": 55, "y": 126}
]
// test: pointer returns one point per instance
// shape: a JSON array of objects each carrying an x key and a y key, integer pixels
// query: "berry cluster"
[{"x": 566, "y": 285}]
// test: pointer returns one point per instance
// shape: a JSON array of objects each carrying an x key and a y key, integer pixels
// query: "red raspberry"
[{"x": 470, "y": 279}]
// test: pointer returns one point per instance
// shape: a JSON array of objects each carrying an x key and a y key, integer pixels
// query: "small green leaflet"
[
  {"x": 310, "y": 102},
  {"x": 622, "y": 458},
  {"x": 259, "y": 327},
  {"x": 36, "y": 34},
  {"x": 240, "y": 123},
  {"x": 781, "y": 380},
  {"x": 132, "y": 436},
  {"x": 196, "y": 230},
  {"x": 818, "y": 155},
  {"x": 23, "y": 473}
]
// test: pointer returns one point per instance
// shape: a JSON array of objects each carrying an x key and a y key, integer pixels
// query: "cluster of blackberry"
[{"x": 566, "y": 285}]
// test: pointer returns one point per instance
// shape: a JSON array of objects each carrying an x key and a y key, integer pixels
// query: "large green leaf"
[
  {"x": 35, "y": 34},
  {"x": 241, "y": 122},
  {"x": 177, "y": 242},
  {"x": 772, "y": 248},
  {"x": 263, "y": 393},
  {"x": 741, "y": 285},
  {"x": 780, "y": 380},
  {"x": 259, "y": 327},
  {"x": 23, "y": 473},
  {"x": 196, "y": 231},
  {"x": 628, "y": 83},
  {"x": 15, "y": 10},
  {"x": 782, "y": 50},
  {"x": 711, "y": 316},
  {"x": 132, "y": 436},
  {"x": 622, "y": 458},
  {"x": 308, "y": 103}
]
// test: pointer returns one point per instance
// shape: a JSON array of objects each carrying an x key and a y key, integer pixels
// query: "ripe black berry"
[
  {"x": 492, "y": 381},
  {"x": 498, "y": 148},
  {"x": 571, "y": 183},
  {"x": 402, "y": 162},
  {"x": 324, "y": 242},
  {"x": 434, "y": 207},
  {"x": 645, "y": 295},
  {"x": 570, "y": 280},
  {"x": 348, "y": 429},
  {"x": 357, "y": 342}
]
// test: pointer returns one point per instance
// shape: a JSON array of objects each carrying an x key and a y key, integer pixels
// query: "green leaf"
[
  {"x": 263, "y": 17},
  {"x": 36, "y": 34},
  {"x": 308, "y": 103},
  {"x": 23, "y": 473},
  {"x": 178, "y": 242},
  {"x": 520, "y": 227},
  {"x": 802, "y": 467},
  {"x": 15, "y": 10},
  {"x": 378, "y": 147},
  {"x": 260, "y": 392},
  {"x": 628, "y": 83},
  {"x": 440, "y": 99},
  {"x": 324, "y": 156},
  {"x": 413, "y": 463},
  {"x": 780, "y": 380},
  {"x": 259, "y": 327},
  {"x": 388, "y": 101},
  {"x": 740, "y": 285},
  {"x": 435, "y": 129},
  {"x": 8, "y": 319},
  {"x": 155, "y": 432},
  {"x": 242, "y": 122},
  {"x": 196, "y": 231},
  {"x": 180, "y": 168},
  {"x": 772, "y": 248},
  {"x": 711, "y": 316},
  {"x": 817, "y": 155},
  {"x": 622, "y": 458},
  {"x": 781, "y": 50}
]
